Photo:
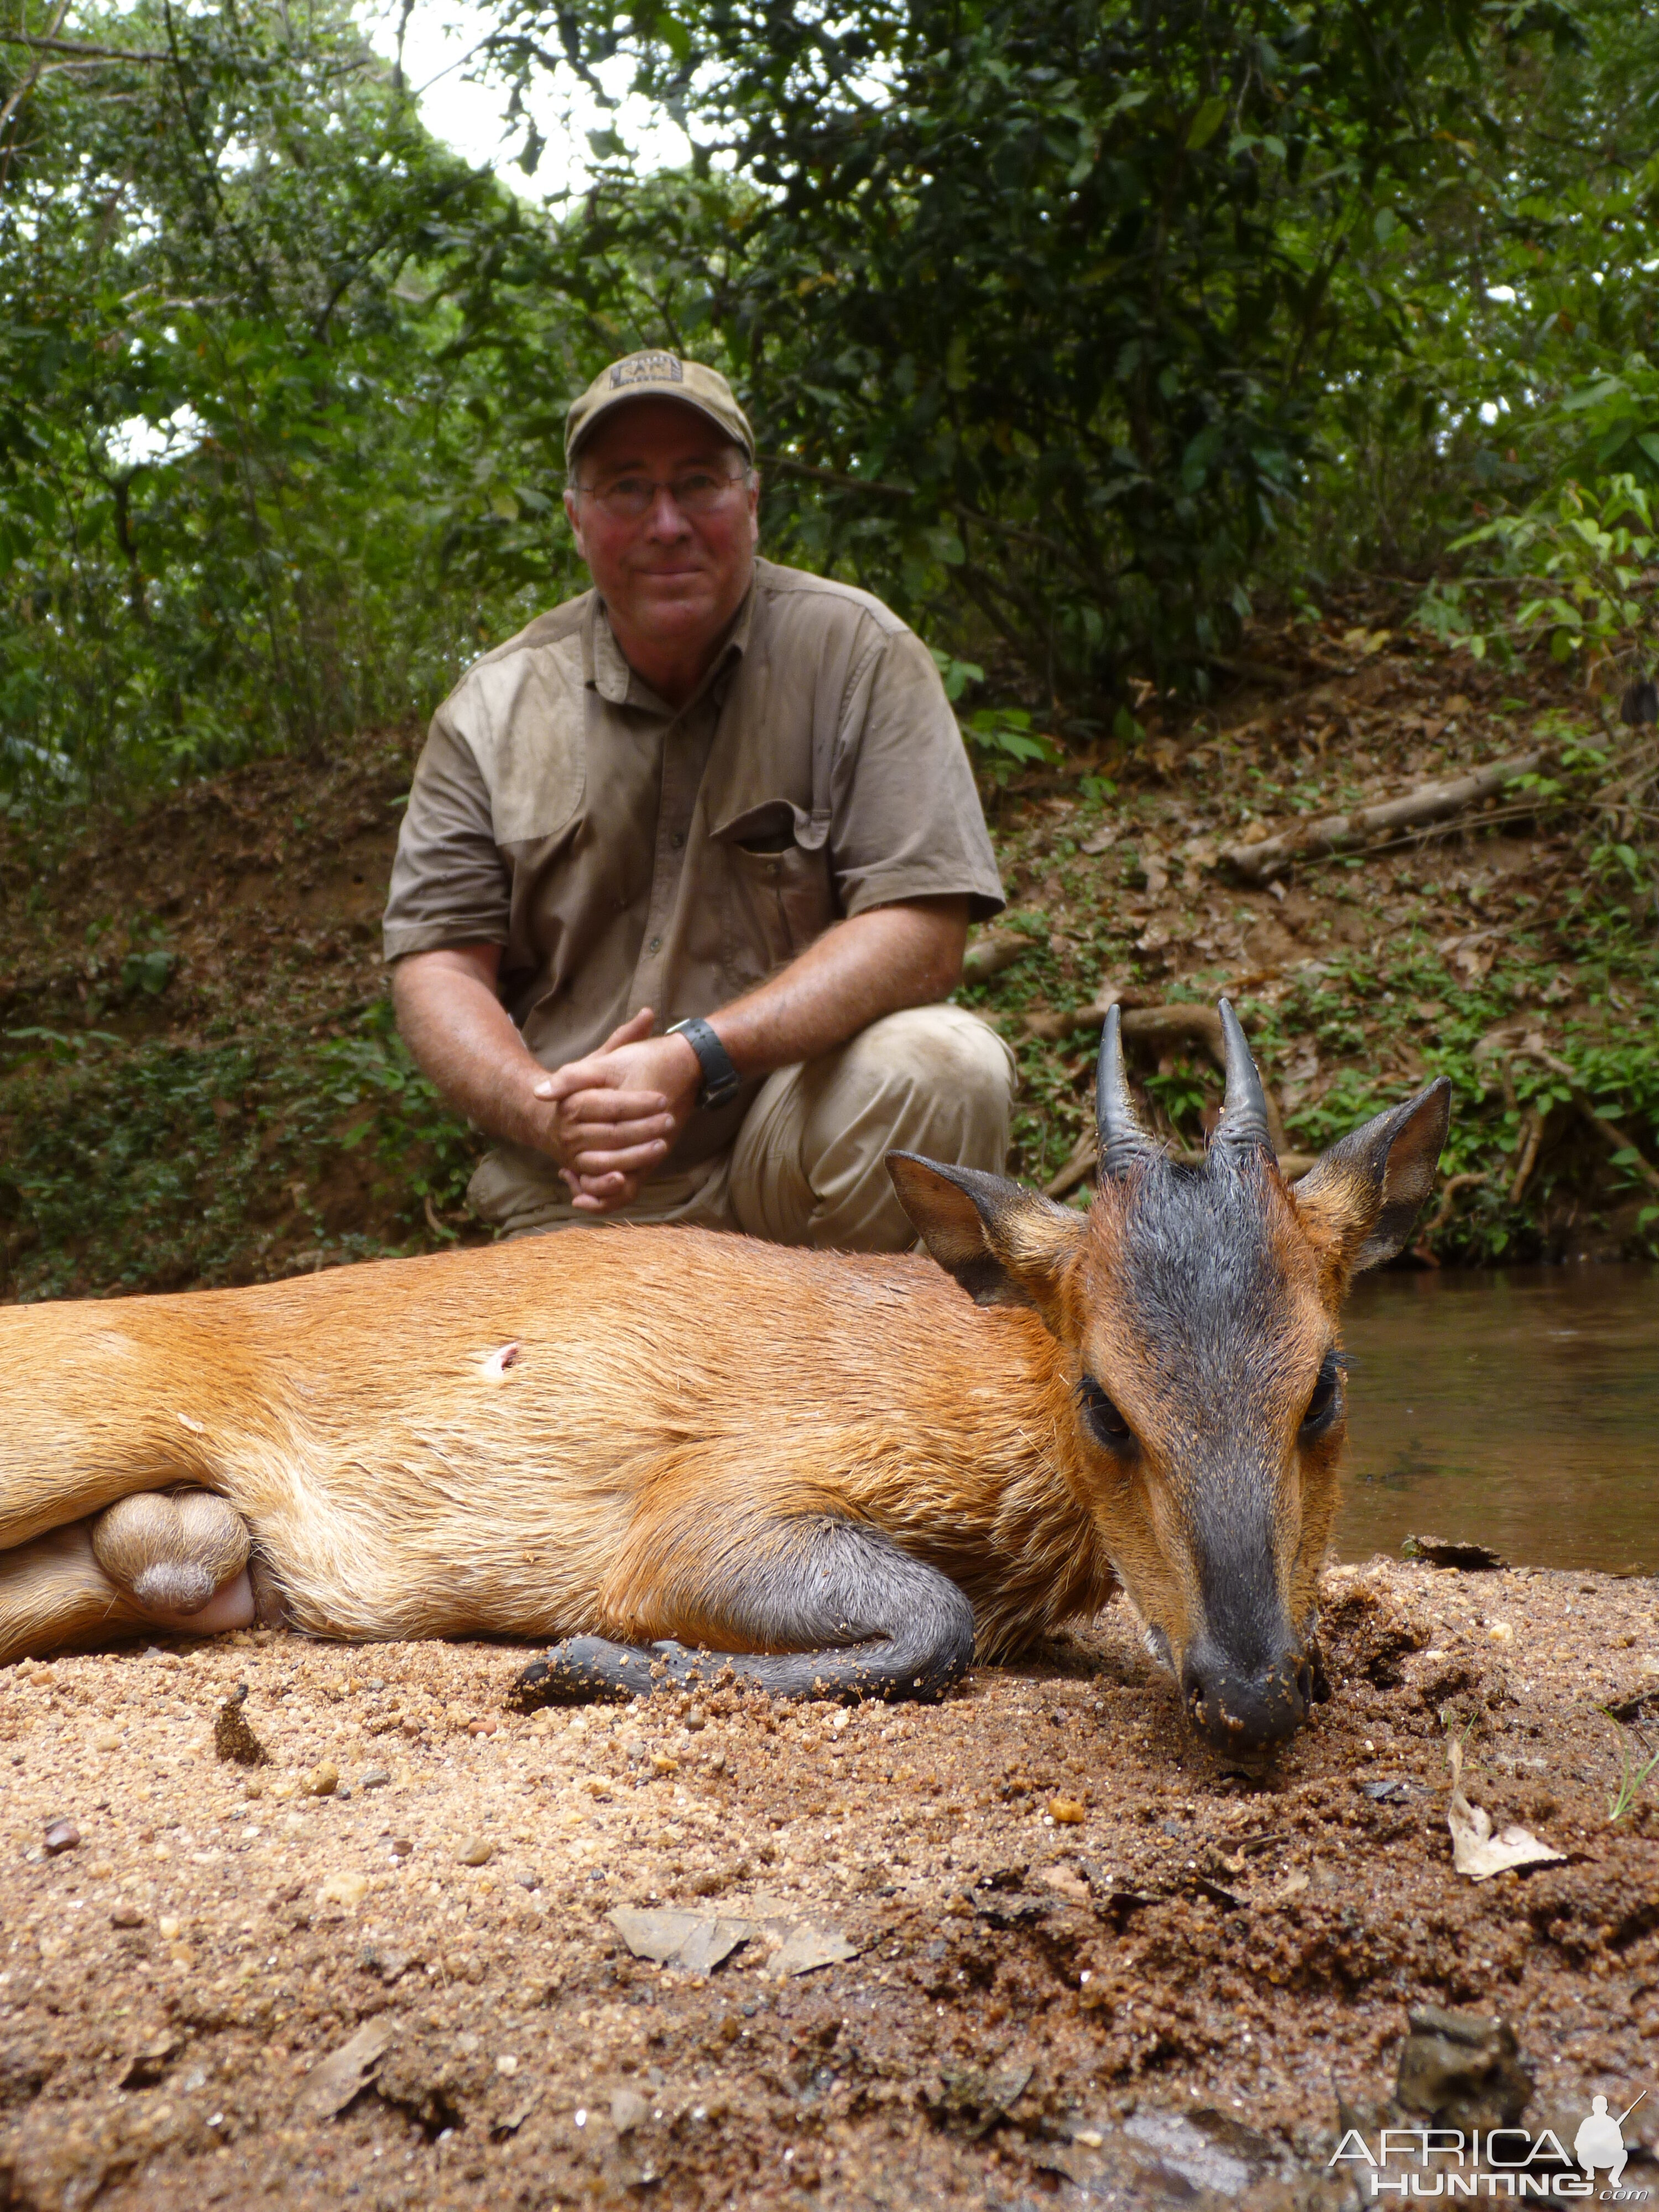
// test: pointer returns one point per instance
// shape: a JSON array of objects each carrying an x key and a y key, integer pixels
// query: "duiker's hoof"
[
  {"x": 170, "y": 1550},
  {"x": 586, "y": 1671}
]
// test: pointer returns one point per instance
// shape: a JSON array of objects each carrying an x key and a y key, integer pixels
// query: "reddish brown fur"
[
  {"x": 394, "y": 1491},
  {"x": 676, "y": 1402}
]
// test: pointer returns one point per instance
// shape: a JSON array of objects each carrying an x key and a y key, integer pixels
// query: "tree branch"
[
  {"x": 1341, "y": 833},
  {"x": 77, "y": 50}
]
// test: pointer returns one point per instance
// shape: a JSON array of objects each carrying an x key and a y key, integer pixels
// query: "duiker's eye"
[
  {"x": 1102, "y": 1418},
  {"x": 1327, "y": 1396}
]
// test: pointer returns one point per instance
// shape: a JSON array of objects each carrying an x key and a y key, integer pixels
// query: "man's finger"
[
  {"x": 632, "y": 1031},
  {"x": 602, "y": 1195},
  {"x": 632, "y": 1159},
  {"x": 611, "y": 1136},
  {"x": 591, "y": 1069},
  {"x": 613, "y": 1106},
  {"x": 597, "y": 1075}
]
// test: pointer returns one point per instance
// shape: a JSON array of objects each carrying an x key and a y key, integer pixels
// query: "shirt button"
[
  {"x": 655, "y": 945},
  {"x": 677, "y": 839}
]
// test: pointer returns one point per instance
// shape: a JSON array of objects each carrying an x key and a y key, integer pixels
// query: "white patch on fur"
[
  {"x": 196, "y": 1428},
  {"x": 494, "y": 1368}
]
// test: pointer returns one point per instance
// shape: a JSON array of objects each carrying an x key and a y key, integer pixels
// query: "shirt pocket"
[{"x": 781, "y": 895}]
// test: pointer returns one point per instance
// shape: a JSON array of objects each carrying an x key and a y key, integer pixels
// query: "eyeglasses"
[{"x": 630, "y": 498}]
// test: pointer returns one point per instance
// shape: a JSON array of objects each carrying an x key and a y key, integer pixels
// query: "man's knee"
[
  {"x": 810, "y": 1166},
  {"x": 932, "y": 1080},
  {"x": 942, "y": 1052}
]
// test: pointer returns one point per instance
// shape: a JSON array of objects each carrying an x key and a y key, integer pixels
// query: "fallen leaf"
[
  {"x": 1444, "y": 1552},
  {"x": 331, "y": 2086},
  {"x": 806, "y": 1948},
  {"x": 696, "y": 1941},
  {"x": 1476, "y": 1851}
]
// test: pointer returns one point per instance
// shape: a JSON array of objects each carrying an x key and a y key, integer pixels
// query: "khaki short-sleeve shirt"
[{"x": 626, "y": 855}]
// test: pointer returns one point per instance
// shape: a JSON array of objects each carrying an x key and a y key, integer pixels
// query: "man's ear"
[
  {"x": 1005, "y": 1246},
  {"x": 1367, "y": 1192}
]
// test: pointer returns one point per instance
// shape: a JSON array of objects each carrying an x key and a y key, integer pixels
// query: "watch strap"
[{"x": 720, "y": 1080}]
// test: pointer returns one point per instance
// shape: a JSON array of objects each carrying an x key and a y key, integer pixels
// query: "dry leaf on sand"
[
  {"x": 1475, "y": 1850},
  {"x": 806, "y": 1947},
  {"x": 696, "y": 1941},
  {"x": 699, "y": 1941},
  {"x": 330, "y": 2087}
]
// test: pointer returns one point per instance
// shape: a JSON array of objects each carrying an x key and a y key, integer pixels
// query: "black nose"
[{"x": 1238, "y": 1711}]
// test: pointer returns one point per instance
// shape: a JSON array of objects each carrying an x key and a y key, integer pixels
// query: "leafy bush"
[
  {"x": 144, "y": 1168},
  {"x": 1586, "y": 551}
]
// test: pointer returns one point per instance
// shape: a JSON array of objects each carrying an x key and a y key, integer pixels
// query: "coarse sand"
[{"x": 1093, "y": 1966}]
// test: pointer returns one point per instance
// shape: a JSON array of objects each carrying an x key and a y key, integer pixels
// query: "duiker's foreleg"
[
  {"x": 56, "y": 1593},
  {"x": 809, "y": 1608}
]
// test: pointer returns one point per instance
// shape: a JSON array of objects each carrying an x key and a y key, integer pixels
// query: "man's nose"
[{"x": 666, "y": 518}]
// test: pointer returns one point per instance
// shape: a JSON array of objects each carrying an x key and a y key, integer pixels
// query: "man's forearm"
[
  {"x": 464, "y": 1039},
  {"x": 635, "y": 1091},
  {"x": 874, "y": 964}
]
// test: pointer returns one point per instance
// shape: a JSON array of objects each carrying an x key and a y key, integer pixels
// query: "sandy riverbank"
[{"x": 1146, "y": 1993}]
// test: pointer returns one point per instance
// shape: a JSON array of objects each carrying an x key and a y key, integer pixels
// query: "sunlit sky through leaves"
[{"x": 468, "y": 110}]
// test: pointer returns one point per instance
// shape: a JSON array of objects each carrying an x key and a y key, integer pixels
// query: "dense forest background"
[
  {"x": 1072, "y": 331},
  {"x": 1096, "y": 337}
]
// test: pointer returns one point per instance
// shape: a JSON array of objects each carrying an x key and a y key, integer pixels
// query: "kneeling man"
[{"x": 687, "y": 866}]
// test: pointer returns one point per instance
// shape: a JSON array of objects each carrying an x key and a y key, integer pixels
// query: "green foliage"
[
  {"x": 146, "y": 1167},
  {"x": 1637, "y": 1767},
  {"x": 1587, "y": 551},
  {"x": 1517, "y": 269},
  {"x": 1034, "y": 305},
  {"x": 255, "y": 489},
  {"x": 1000, "y": 738}
]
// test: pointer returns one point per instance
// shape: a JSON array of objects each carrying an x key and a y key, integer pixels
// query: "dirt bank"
[{"x": 1091, "y": 1967}]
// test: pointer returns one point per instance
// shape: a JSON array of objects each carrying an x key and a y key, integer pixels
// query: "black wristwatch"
[{"x": 720, "y": 1080}]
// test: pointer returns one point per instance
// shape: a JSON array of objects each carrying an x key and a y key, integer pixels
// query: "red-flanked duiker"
[{"x": 838, "y": 1475}]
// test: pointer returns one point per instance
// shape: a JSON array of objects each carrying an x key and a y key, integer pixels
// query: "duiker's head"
[{"x": 1197, "y": 1308}]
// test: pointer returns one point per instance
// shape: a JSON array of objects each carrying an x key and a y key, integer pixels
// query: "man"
[{"x": 688, "y": 865}]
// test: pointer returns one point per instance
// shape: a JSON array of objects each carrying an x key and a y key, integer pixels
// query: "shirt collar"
[{"x": 609, "y": 673}]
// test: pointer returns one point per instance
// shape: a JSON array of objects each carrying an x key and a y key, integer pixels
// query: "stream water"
[{"x": 1517, "y": 1407}]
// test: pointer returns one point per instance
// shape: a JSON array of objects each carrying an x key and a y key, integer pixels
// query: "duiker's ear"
[
  {"x": 1004, "y": 1245},
  {"x": 1367, "y": 1191}
]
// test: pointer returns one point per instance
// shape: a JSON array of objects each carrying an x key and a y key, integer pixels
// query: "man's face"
[{"x": 669, "y": 579}]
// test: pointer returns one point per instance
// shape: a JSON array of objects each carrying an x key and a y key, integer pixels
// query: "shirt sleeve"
[
  {"x": 449, "y": 881},
  {"x": 906, "y": 820}
]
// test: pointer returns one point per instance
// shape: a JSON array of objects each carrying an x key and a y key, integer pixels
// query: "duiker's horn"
[
  {"x": 1243, "y": 1124},
  {"x": 1119, "y": 1133}
]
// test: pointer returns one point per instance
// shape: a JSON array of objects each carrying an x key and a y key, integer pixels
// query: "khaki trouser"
[{"x": 807, "y": 1167}]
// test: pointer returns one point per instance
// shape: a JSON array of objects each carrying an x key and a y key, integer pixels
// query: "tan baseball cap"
[{"x": 657, "y": 376}]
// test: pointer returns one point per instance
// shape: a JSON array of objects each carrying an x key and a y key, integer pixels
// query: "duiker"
[{"x": 837, "y": 1475}]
